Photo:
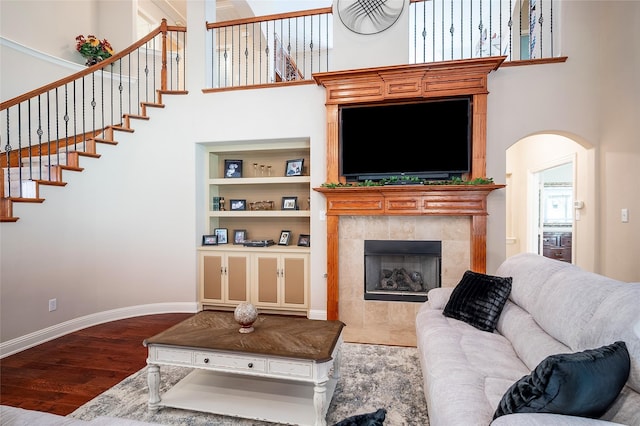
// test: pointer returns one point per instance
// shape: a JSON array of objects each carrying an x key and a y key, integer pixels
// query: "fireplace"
[{"x": 397, "y": 270}]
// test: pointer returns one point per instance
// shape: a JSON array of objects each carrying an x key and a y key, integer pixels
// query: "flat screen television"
[{"x": 428, "y": 139}]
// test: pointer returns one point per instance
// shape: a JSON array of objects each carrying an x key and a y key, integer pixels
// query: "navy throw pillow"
[
  {"x": 478, "y": 300},
  {"x": 369, "y": 419},
  {"x": 580, "y": 384}
]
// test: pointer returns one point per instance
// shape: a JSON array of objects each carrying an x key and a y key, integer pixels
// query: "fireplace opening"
[{"x": 401, "y": 270}]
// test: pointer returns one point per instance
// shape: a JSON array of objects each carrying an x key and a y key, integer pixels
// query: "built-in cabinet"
[
  {"x": 274, "y": 277},
  {"x": 281, "y": 279},
  {"x": 557, "y": 245}
]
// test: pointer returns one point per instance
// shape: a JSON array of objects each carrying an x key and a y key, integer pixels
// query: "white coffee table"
[{"x": 284, "y": 372}]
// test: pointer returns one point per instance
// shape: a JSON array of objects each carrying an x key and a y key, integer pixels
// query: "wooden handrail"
[
  {"x": 256, "y": 19},
  {"x": 162, "y": 28}
]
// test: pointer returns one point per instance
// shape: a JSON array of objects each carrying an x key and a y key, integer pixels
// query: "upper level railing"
[
  {"x": 442, "y": 30},
  {"x": 59, "y": 117},
  {"x": 285, "y": 47},
  {"x": 289, "y": 47}
]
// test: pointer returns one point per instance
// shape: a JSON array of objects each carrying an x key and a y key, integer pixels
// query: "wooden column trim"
[{"x": 333, "y": 293}]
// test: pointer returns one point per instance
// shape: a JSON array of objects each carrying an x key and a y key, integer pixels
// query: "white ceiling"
[{"x": 176, "y": 10}]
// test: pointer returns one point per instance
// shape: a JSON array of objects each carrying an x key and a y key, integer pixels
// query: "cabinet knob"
[
  {"x": 206, "y": 360},
  {"x": 250, "y": 365}
]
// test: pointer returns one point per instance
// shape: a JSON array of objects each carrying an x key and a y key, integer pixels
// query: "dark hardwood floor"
[{"x": 61, "y": 375}]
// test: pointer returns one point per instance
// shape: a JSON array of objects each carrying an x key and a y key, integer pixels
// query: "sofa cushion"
[
  {"x": 580, "y": 384},
  {"x": 478, "y": 300}
]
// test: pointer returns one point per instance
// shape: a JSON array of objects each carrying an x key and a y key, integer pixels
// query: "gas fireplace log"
[{"x": 400, "y": 279}]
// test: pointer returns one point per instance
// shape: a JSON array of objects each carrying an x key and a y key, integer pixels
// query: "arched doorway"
[{"x": 550, "y": 198}]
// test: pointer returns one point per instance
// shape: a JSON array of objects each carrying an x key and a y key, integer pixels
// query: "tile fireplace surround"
[{"x": 392, "y": 322}]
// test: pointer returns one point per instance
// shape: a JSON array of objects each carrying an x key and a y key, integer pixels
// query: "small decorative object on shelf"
[
  {"x": 258, "y": 243},
  {"x": 239, "y": 236},
  {"x": 233, "y": 168},
  {"x": 93, "y": 49},
  {"x": 221, "y": 200},
  {"x": 245, "y": 314},
  {"x": 238, "y": 205},
  {"x": 284, "y": 238},
  {"x": 289, "y": 203},
  {"x": 304, "y": 240},
  {"x": 209, "y": 240},
  {"x": 222, "y": 234},
  {"x": 294, "y": 167},
  {"x": 261, "y": 205}
]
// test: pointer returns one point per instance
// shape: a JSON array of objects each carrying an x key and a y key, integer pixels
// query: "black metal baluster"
[
  {"x": 541, "y": 22},
  {"x": 48, "y": 136},
  {"x": 7, "y": 150},
  {"x": 551, "y": 28},
  {"x": 311, "y": 46}
]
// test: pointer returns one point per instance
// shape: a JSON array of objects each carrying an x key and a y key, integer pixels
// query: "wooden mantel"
[{"x": 397, "y": 84}]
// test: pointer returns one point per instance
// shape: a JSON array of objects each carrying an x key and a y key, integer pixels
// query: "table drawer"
[
  {"x": 172, "y": 356},
  {"x": 230, "y": 362},
  {"x": 291, "y": 368}
]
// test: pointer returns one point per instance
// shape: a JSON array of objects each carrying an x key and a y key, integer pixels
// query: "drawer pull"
[
  {"x": 250, "y": 365},
  {"x": 206, "y": 360}
]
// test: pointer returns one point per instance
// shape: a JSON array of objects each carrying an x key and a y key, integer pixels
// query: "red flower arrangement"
[{"x": 93, "y": 49}]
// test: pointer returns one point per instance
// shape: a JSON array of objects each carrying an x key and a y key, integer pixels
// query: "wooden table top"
[{"x": 274, "y": 335}]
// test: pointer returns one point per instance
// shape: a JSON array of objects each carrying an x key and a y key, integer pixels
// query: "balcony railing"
[
  {"x": 442, "y": 30},
  {"x": 286, "y": 47},
  {"x": 40, "y": 128}
]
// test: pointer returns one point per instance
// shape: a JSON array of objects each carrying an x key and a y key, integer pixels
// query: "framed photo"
[
  {"x": 304, "y": 240},
  {"x": 238, "y": 205},
  {"x": 284, "y": 238},
  {"x": 209, "y": 240},
  {"x": 289, "y": 203},
  {"x": 233, "y": 168},
  {"x": 294, "y": 167},
  {"x": 222, "y": 234},
  {"x": 239, "y": 236}
]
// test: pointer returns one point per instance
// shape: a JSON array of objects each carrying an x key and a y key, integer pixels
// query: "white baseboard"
[
  {"x": 317, "y": 314},
  {"x": 33, "y": 339}
]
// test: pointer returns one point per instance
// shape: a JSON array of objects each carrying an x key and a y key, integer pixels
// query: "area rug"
[{"x": 372, "y": 377}]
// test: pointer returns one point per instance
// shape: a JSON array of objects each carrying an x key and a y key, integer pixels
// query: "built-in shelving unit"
[{"x": 275, "y": 277}]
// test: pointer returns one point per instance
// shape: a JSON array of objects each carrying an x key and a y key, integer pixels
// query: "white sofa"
[
  {"x": 14, "y": 416},
  {"x": 554, "y": 307}
]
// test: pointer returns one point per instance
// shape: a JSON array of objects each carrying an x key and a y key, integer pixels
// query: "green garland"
[{"x": 410, "y": 180}]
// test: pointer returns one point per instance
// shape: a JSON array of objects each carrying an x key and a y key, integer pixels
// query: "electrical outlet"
[
  {"x": 53, "y": 305},
  {"x": 624, "y": 215}
]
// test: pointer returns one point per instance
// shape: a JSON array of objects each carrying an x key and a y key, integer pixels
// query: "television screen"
[{"x": 431, "y": 140}]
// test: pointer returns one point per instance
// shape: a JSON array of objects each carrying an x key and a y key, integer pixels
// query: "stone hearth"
[{"x": 392, "y": 322}]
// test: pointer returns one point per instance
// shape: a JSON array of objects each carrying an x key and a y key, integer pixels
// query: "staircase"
[{"x": 49, "y": 168}]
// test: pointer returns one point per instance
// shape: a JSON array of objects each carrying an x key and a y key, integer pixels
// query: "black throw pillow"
[
  {"x": 478, "y": 300},
  {"x": 368, "y": 419},
  {"x": 580, "y": 384}
]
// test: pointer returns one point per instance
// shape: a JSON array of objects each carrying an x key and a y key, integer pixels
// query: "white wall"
[{"x": 124, "y": 232}]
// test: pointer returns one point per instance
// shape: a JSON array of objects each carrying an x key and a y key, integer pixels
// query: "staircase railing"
[{"x": 43, "y": 130}]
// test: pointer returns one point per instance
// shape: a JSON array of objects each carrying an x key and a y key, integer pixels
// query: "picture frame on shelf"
[
  {"x": 222, "y": 234},
  {"x": 285, "y": 236},
  {"x": 237, "y": 205},
  {"x": 232, "y": 168},
  {"x": 304, "y": 240},
  {"x": 294, "y": 167},
  {"x": 210, "y": 240},
  {"x": 239, "y": 236},
  {"x": 289, "y": 203}
]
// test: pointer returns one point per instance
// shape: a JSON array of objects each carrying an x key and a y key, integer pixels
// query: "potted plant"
[{"x": 93, "y": 49}]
